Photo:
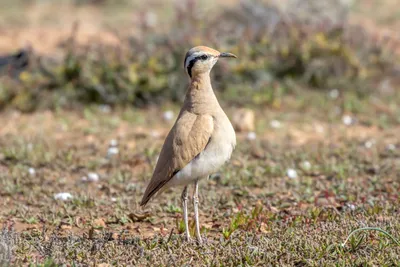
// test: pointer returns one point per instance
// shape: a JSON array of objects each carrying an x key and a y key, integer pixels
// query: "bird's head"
[{"x": 201, "y": 59}]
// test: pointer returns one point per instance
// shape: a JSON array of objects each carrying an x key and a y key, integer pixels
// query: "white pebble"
[
  {"x": 319, "y": 128},
  {"x": 168, "y": 115},
  {"x": 306, "y": 165},
  {"x": 154, "y": 134},
  {"x": 351, "y": 206},
  {"x": 29, "y": 146},
  {"x": 347, "y": 120},
  {"x": 275, "y": 124},
  {"x": 112, "y": 151},
  {"x": 369, "y": 143},
  {"x": 334, "y": 93},
  {"x": 113, "y": 199},
  {"x": 113, "y": 142},
  {"x": 93, "y": 177},
  {"x": 391, "y": 147},
  {"x": 32, "y": 171},
  {"x": 251, "y": 136},
  {"x": 291, "y": 173},
  {"x": 105, "y": 108},
  {"x": 151, "y": 19},
  {"x": 63, "y": 196}
]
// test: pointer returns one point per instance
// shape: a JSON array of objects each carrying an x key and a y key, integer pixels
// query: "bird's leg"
[
  {"x": 196, "y": 210},
  {"x": 185, "y": 212}
]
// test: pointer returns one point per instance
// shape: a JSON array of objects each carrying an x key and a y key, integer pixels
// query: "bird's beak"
[{"x": 227, "y": 55}]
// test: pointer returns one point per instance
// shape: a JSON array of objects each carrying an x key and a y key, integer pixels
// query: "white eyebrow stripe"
[{"x": 192, "y": 56}]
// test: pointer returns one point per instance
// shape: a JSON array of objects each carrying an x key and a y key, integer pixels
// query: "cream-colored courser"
[{"x": 202, "y": 138}]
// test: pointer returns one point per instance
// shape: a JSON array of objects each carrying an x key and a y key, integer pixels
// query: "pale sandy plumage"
[{"x": 202, "y": 138}]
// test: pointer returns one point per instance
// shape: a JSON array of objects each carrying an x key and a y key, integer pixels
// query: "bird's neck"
[{"x": 200, "y": 94}]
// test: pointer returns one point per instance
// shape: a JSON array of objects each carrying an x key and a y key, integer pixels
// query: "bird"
[{"x": 201, "y": 140}]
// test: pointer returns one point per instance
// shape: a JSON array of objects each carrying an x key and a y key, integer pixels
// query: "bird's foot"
[
  {"x": 187, "y": 239},
  {"x": 190, "y": 240},
  {"x": 199, "y": 240}
]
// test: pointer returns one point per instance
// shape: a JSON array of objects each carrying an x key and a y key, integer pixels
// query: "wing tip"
[
  {"x": 144, "y": 202},
  {"x": 146, "y": 197}
]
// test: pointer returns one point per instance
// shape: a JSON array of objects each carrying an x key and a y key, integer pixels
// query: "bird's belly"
[{"x": 206, "y": 163}]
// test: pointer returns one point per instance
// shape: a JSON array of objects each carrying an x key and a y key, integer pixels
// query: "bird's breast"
[
  {"x": 217, "y": 152},
  {"x": 223, "y": 131}
]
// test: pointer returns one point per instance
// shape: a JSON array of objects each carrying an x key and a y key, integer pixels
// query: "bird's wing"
[{"x": 188, "y": 138}]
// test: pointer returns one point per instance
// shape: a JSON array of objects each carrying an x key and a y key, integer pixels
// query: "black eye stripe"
[
  {"x": 193, "y": 61},
  {"x": 203, "y": 57},
  {"x": 189, "y": 67}
]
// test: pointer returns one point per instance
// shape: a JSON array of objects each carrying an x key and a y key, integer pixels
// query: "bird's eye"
[{"x": 203, "y": 57}]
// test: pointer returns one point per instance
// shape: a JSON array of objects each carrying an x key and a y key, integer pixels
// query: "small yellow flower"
[
  {"x": 24, "y": 76},
  {"x": 320, "y": 38},
  {"x": 284, "y": 51}
]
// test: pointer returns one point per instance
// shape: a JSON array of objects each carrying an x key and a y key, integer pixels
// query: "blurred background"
[{"x": 67, "y": 53}]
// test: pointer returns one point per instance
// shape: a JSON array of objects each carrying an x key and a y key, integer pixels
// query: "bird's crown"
[{"x": 202, "y": 58}]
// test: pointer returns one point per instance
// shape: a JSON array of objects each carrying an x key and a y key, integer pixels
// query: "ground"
[{"x": 253, "y": 211}]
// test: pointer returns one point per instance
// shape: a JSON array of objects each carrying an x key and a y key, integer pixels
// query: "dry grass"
[{"x": 251, "y": 212}]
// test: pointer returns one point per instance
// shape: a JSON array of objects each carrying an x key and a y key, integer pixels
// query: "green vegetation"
[{"x": 280, "y": 53}]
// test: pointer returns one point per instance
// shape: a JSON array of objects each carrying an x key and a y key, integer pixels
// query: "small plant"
[
  {"x": 124, "y": 219},
  {"x": 49, "y": 262},
  {"x": 239, "y": 220},
  {"x": 355, "y": 242},
  {"x": 180, "y": 225},
  {"x": 31, "y": 220},
  {"x": 173, "y": 209}
]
